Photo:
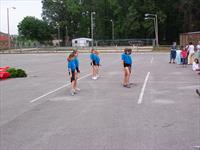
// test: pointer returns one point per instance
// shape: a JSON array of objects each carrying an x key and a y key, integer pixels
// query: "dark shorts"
[
  {"x": 93, "y": 63},
  {"x": 77, "y": 70},
  {"x": 73, "y": 76},
  {"x": 127, "y": 65},
  {"x": 173, "y": 54},
  {"x": 184, "y": 61}
]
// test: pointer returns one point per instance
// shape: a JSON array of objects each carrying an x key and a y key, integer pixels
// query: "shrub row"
[{"x": 16, "y": 73}]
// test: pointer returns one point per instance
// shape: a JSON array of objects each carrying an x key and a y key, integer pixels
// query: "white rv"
[{"x": 81, "y": 42}]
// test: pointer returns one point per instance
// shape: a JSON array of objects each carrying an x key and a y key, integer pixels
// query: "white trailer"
[{"x": 81, "y": 42}]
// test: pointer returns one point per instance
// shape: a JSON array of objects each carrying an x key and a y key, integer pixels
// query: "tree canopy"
[
  {"x": 35, "y": 29},
  {"x": 73, "y": 17}
]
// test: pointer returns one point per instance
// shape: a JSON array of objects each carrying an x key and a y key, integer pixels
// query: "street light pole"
[
  {"x": 157, "y": 42},
  {"x": 154, "y": 21},
  {"x": 92, "y": 28},
  {"x": 8, "y": 26},
  {"x": 155, "y": 25},
  {"x": 113, "y": 30},
  {"x": 58, "y": 35},
  {"x": 58, "y": 30}
]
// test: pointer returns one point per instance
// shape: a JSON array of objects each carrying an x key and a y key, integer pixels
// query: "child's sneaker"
[
  {"x": 72, "y": 92},
  {"x": 124, "y": 85},
  {"x": 94, "y": 78}
]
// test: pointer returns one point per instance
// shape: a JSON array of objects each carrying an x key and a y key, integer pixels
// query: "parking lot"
[{"x": 161, "y": 111}]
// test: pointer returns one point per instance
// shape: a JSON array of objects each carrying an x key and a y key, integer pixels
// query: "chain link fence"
[{"x": 126, "y": 42}]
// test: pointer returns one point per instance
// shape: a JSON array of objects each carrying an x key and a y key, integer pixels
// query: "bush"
[
  {"x": 21, "y": 73},
  {"x": 12, "y": 72},
  {"x": 16, "y": 73}
]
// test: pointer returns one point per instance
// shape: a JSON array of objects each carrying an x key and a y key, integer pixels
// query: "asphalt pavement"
[{"x": 161, "y": 111}]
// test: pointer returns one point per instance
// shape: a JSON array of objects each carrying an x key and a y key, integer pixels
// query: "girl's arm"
[
  {"x": 91, "y": 57},
  {"x": 69, "y": 68},
  {"x": 122, "y": 63}
]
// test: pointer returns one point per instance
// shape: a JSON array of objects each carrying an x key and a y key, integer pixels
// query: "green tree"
[
  {"x": 35, "y": 29},
  {"x": 174, "y": 17},
  {"x": 63, "y": 14}
]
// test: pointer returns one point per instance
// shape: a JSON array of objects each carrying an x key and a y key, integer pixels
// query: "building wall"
[
  {"x": 193, "y": 37},
  {"x": 3, "y": 41}
]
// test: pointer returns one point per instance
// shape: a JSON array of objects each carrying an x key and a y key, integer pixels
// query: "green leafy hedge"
[{"x": 16, "y": 73}]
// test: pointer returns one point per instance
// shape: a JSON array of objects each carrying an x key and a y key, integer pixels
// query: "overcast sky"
[{"x": 23, "y": 8}]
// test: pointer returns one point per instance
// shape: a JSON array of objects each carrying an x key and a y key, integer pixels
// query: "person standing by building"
[
  {"x": 178, "y": 57},
  {"x": 191, "y": 53},
  {"x": 173, "y": 53},
  {"x": 198, "y": 56},
  {"x": 198, "y": 50},
  {"x": 184, "y": 56}
]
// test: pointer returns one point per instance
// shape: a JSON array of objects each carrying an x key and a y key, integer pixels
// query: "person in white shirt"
[
  {"x": 191, "y": 53},
  {"x": 198, "y": 51},
  {"x": 178, "y": 57},
  {"x": 195, "y": 65}
]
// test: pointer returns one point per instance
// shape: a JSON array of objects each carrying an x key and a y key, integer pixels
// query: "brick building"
[
  {"x": 3, "y": 40},
  {"x": 185, "y": 38}
]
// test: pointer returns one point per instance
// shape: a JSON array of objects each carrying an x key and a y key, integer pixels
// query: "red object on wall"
[{"x": 3, "y": 38}]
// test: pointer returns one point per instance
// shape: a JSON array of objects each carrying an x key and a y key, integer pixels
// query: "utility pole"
[
  {"x": 8, "y": 26},
  {"x": 113, "y": 30},
  {"x": 92, "y": 28}
]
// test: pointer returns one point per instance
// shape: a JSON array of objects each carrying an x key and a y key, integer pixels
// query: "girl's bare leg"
[
  {"x": 97, "y": 70},
  {"x": 127, "y": 75},
  {"x": 93, "y": 71},
  {"x": 124, "y": 80},
  {"x": 73, "y": 87},
  {"x": 75, "y": 83}
]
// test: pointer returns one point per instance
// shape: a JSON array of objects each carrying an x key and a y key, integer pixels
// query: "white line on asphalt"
[
  {"x": 143, "y": 88},
  {"x": 152, "y": 60},
  {"x": 66, "y": 85},
  {"x": 197, "y": 147}
]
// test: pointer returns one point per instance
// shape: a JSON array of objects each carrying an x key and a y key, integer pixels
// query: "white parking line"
[
  {"x": 143, "y": 88},
  {"x": 197, "y": 147},
  {"x": 66, "y": 85}
]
